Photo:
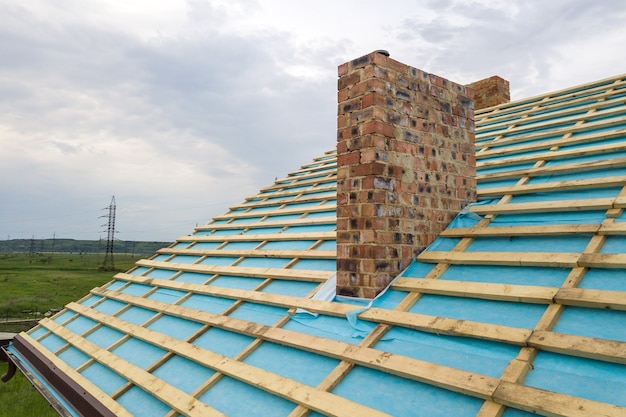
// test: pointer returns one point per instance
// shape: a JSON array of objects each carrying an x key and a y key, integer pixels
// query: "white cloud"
[{"x": 181, "y": 109}]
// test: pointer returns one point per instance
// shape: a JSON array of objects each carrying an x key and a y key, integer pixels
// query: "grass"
[{"x": 37, "y": 284}]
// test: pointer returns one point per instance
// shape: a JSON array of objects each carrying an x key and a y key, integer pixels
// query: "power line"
[{"x": 109, "y": 263}]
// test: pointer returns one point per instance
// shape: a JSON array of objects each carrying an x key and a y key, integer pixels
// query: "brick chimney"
[
  {"x": 490, "y": 92},
  {"x": 405, "y": 167}
]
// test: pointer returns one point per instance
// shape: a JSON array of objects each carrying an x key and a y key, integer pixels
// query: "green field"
[{"x": 29, "y": 287}]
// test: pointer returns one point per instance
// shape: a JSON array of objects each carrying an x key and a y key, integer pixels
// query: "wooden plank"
[
  {"x": 552, "y": 170},
  {"x": 558, "y": 131},
  {"x": 268, "y": 223},
  {"x": 253, "y": 253},
  {"x": 551, "y": 155},
  {"x": 552, "y": 259},
  {"x": 277, "y": 212},
  {"x": 480, "y": 290},
  {"x": 275, "y": 273},
  {"x": 548, "y": 230},
  {"x": 448, "y": 326},
  {"x": 613, "y": 228},
  {"x": 441, "y": 376},
  {"x": 278, "y": 300},
  {"x": 612, "y": 300},
  {"x": 552, "y": 404},
  {"x": 563, "y": 109},
  {"x": 567, "y": 140},
  {"x": 526, "y": 125},
  {"x": 276, "y": 200},
  {"x": 85, "y": 384},
  {"x": 582, "y": 346},
  {"x": 250, "y": 237},
  {"x": 602, "y": 182},
  {"x": 545, "y": 206},
  {"x": 603, "y": 260},
  {"x": 168, "y": 394}
]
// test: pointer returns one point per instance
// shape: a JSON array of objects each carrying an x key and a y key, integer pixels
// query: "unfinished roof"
[{"x": 518, "y": 308}]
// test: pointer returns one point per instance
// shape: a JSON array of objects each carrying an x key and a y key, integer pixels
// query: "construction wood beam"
[
  {"x": 257, "y": 253},
  {"x": 546, "y": 206},
  {"x": 250, "y": 237},
  {"x": 582, "y": 346},
  {"x": 275, "y": 273},
  {"x": 552, "y": 170},
  {"x": 268, "y": 223},
  {"x": 552, "y": 259},
  {"x": 548, "y": 230},
  {"x": 480, "y": 290},
  {"x": 602, "y": 182}
]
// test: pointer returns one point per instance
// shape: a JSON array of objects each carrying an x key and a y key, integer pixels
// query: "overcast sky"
[{"x": 182, "y": 109}]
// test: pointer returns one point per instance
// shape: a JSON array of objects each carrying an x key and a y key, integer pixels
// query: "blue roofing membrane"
[{"x": 517, "y": 309}]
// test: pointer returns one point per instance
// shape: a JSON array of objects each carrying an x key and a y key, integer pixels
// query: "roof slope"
[{"x": 518, "y": 308}]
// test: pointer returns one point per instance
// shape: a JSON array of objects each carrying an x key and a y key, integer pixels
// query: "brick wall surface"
[
  {"x": 406, "y": 167},
  {"x": 490, "y": 92}
]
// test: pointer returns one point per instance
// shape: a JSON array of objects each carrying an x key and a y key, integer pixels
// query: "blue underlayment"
[
  {"x": 517, "y": 154},
  {"x": 257, "y": 403},
  {"x": 614, "y": 244},
  {"x": 183, "y": 259},
  {"x": 160, "y": 273},
  {"x": 575, "y": 243},
  {"x": 328, "y": 327},
  {"x": 52, "y": 342},
  {"x": 292, "y": 288},
  {"x": 607, "y": 129},
  {"x": 299, "y": 365},
  {"x": 262, "y": 208},
  {"x": 136, "y": 289},
  {"x": 581, "y": 175},
  {"x": 241, "y": 245},
  {"x": 288, "y": 245},
  {"x": 257, "y": 230},
  {"x": 207, "y": 303},
  {"x": 327, "y": 245},
  {"x": 316, "y": 264},
  {"x": 264, "y": 262},
  {"x": 219, "y": 260},
  {"x": 206, "y": 245},
  {"x": 592, "y": 322},
  {"x": 242, "y": 283},
  {"x": 382, "y": 391},
  {"x": 485, "y": 311},
  {"x": 246, "y": 220},
  {"x": 259, "y": 313},
  {"x": 175, "y": 327},
  {"x": 161, "y": 258},
  {"x": 103, "y": 377},
  {"x": 140, "y": 270},
  {"x": 115, "y": 285},
  {"x": 604, "y": 279},
  {"x": 283, "y": 217},
  {"x": 183, "y": 373},
  {"x": 311, "y": 228},
  {"x": 109, "y": 306},
  {"x": 509, "y": 182},
  {"x": 138, "y": 352},
  {"x": 580, "y": 194},
  {"x": 38, "y": 332},
  {"x": 504, "y": 274},
  {"x": 581, "y": 377},
  {"x": 80, "y": 325},
  {"x": 472, "y": 355},
  {"x": 321, "y": 214},
  {"x": 538, "y": 219},
  {"x": 166, "y": 295},
  {"x": 104, "y": 336},
  {"x": 192, "y": 277},
  {"x": 503, "y": 168},
  {"x": 141, "y": 404},
  {"x": 63, "y": 317},
  {"x": 90, "y": 300},
  {"x": 223, "y": 342},
  {"x": 587, "y": 158},
  {"x": 73, "y": 357},
  {"x": 137, "y": 315}
]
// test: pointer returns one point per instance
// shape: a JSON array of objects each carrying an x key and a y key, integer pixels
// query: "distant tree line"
[{"x": 36, "y": 246}]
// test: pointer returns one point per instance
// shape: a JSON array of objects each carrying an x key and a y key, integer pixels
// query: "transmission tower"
[{"x": 109, "y": 263}]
